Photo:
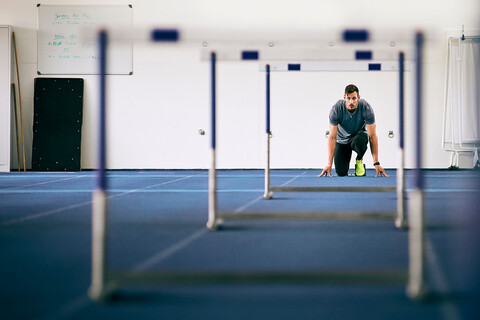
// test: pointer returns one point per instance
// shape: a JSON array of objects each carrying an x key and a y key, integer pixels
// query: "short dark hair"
[{"x": 351, "y": 88}]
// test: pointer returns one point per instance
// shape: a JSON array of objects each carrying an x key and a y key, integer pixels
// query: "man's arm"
[
  {"x": 331, "y": 144},
  {"x": 372, "y": 135}
]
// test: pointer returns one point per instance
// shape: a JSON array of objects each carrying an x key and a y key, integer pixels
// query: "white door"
[{"x": 5, "y": 105}]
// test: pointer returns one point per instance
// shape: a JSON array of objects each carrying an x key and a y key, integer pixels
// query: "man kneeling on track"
[{"x": 352, "y": 125}]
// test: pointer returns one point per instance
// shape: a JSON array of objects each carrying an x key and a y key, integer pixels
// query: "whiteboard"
[{"x": 67, "y": 39}]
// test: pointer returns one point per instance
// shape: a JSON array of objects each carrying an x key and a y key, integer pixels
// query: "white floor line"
[
  {"x": 43, "y": 214},
  {"x": 448, "y": 308},
  {"x": 294, "y": 178},
  {"x": 148, "y": 187},
  {"x": 74, "y": 206},
  {"x": 42, "y": 183},
  {"x": 82, "y": 301},
  {"x": 248, "y": 204},
  {"x": 69, "y": 309},
  {"x": 155, "y": 259}
]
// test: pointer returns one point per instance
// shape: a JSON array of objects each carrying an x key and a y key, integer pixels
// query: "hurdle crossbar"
[
  {"x": 190, "y": 277},
  {"x": 305, "y": 215},
  {"x": 332, "y": 189}
]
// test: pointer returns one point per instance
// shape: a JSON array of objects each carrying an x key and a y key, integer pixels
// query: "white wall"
[{"x": 155, "y": 114}]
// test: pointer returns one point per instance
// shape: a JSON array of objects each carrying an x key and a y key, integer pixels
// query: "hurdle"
[
  {"x": 399, "y": 217},
  {"x": 105, "y": 281},
  {"x": 416, "y": 288}
]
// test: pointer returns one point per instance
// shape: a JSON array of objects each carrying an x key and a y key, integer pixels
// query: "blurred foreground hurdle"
[{"x": 105, "y": 282}]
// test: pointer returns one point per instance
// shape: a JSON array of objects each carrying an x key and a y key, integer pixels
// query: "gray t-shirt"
[{"x": 349, "y": 124}]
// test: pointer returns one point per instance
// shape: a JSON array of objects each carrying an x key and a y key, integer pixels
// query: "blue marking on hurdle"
[
  {"x": 374, "y": 66},
  {"x": 249, "y": 55},
  {"x": 165, "y": 35},
  {"x": 101, "y": 177},
  {"x": 418, "y": 99},
  {"x": 401, "y": 70},
  {"x": 268, "y": 98},
  {"x": 356, "y": 36},
  {"x": 294, "y": 67},
  {"x": 363, "y": 55},
  {"x": 213, "y": 60}
]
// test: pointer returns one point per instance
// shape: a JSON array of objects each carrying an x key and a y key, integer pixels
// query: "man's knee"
[
  {"x": 361, "y": 139},
  {"x": 341, "y": 171},
  {"x": 360, "y": 142}
]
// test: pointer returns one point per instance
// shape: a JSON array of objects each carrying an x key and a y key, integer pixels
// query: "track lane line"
[{"x": 74, "y": 206}]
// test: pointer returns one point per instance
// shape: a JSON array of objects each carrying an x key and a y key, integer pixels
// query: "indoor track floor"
[{"x": 157, "y": 221}]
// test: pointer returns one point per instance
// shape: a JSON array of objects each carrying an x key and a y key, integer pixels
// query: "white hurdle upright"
[
  {"x": 416, "y": 284},
  {"x": 98, "y": 288}
]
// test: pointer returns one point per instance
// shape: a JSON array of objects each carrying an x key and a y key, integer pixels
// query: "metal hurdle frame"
[
  {"x": 416, "y": 288},
  {"x": 105, "y": 282},
  {"x": 399, "y": 215},
  {"x": 216, "y": 218}
]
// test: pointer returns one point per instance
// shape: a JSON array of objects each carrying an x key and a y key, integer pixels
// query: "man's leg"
[
  {"x": 359, "y": 144},
  {"x": 343, "y": 154}
]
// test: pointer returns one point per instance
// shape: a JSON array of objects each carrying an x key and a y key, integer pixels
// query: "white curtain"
[{"x": 462, "y": 103}]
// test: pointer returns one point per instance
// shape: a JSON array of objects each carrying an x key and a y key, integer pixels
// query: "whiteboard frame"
[{"x": 121, "y": 54}]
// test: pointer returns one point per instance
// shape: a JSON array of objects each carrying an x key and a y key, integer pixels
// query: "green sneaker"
[{"x": 359, "y": 168}]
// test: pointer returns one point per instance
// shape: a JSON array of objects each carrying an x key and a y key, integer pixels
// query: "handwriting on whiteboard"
[
  {"x": 68, "y": 39},
  {"x": 66, "y": 45}
]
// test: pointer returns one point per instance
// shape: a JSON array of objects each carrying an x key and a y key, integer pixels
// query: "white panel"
[{"x": 5, "y": 106}]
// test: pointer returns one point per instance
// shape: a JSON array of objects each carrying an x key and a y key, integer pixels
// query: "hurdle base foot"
[
  {"x": 268, "y": 195},
  {"x": 401, "y": 224},
  {"x": 214, "y": 224},
  {"x": 417, "y": 292},
  {"x": 101, "y": 293}
]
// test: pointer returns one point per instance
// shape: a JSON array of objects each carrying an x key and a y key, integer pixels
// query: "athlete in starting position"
[{"x": 352, "y": 125}]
